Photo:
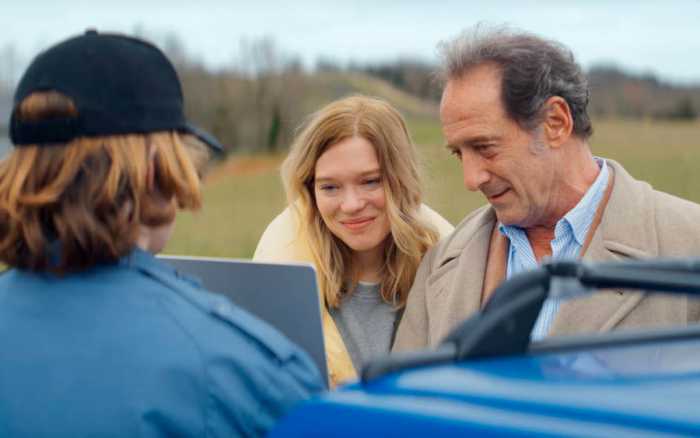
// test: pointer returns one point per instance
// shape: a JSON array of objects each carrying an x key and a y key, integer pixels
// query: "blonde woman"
[{"x": 355, "y": 212}]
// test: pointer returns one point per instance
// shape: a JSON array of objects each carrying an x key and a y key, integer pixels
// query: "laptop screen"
[{"x": 283, "y": 295}]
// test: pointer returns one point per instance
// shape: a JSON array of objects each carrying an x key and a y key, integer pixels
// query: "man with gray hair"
[{"x": 513, "y": 111}]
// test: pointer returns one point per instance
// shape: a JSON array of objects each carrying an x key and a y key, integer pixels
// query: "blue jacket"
[{"x": 133, "y": 349}]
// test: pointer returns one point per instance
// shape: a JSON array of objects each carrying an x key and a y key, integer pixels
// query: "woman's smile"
[{"x": 357, "y": 224}]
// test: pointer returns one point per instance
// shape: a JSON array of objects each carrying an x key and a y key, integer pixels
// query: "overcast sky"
[{"x": 643, "y": 36}]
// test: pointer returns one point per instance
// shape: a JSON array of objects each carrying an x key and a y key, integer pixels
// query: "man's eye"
[{"x": 484, "y": 149}]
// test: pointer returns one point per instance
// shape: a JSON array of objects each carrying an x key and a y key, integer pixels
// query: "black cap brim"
[{"x": 205, "y": 137}]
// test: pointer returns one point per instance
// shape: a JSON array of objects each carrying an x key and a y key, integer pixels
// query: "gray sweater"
[{"x": 366, "y": 323}]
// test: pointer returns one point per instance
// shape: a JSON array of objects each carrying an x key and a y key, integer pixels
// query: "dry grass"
[{"x": 238, "y": 204}]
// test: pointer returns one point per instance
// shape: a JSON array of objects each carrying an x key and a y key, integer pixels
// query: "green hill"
[{"x": 331, "y": 86}]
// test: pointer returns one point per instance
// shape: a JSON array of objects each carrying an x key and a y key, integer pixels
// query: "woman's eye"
[
  {"x": 327, "y": 187},
  {"x": 372, "y": 183}
]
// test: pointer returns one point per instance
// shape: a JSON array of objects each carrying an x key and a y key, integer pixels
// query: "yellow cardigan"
[{"x": 281, "y": 242}]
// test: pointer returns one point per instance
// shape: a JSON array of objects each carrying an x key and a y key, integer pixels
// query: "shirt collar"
[{"x": 579, "y": 218}]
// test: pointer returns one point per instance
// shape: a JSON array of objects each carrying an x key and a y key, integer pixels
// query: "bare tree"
[{"x": 273, "y": 83}]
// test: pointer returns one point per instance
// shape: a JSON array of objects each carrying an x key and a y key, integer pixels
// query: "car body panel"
[{"x": 648, "y": 389}]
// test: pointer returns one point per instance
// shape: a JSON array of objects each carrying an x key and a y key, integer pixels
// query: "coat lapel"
[
  {"x": 626, "y": 231},
  {"x": 455, "y": 297}
]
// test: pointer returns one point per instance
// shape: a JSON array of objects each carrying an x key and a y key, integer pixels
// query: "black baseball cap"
[{"x": 119, "y": 84}]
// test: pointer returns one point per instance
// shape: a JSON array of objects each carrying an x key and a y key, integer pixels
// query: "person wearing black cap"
[{"x": 99, "y": 338}]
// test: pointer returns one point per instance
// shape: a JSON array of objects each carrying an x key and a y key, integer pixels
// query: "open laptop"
[{"x": 283, "y": 295}]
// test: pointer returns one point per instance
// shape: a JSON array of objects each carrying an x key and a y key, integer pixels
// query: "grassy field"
[{"x": 244, "y": 193}]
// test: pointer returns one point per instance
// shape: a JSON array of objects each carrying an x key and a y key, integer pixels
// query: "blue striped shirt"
[{"x": 569, "y": 236}]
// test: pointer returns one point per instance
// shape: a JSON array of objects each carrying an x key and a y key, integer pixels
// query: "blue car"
[{"x": 488, "y": 379}]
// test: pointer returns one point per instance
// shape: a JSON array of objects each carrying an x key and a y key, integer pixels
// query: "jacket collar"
[
  {"x": 474, "y": 230},
  {"x": 471, "y": 239},
  {"x": 627, "y": 230},
  {"x": 149, "y": 265}
]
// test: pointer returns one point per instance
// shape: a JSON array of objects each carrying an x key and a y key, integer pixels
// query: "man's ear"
[{"x": 557, "y": 121}]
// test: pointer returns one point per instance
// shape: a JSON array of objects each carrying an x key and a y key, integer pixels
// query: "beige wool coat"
[{"x": 638, "y": 222}]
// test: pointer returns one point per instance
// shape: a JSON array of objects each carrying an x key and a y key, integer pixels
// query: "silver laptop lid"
[{"x": 283, "y": 295}]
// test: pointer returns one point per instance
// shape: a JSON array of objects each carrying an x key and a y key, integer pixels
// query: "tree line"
[{"x": 257, "y": 101}]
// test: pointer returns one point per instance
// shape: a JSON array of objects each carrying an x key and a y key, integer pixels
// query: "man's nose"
[
  {"x": 353, "y": 201},
  {"x": 474, "y": 172}
]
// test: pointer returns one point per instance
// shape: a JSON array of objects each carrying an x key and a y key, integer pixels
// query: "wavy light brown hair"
[
  {"x": 67, "y": 207},
  {"x": 381, "y": 125}
]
